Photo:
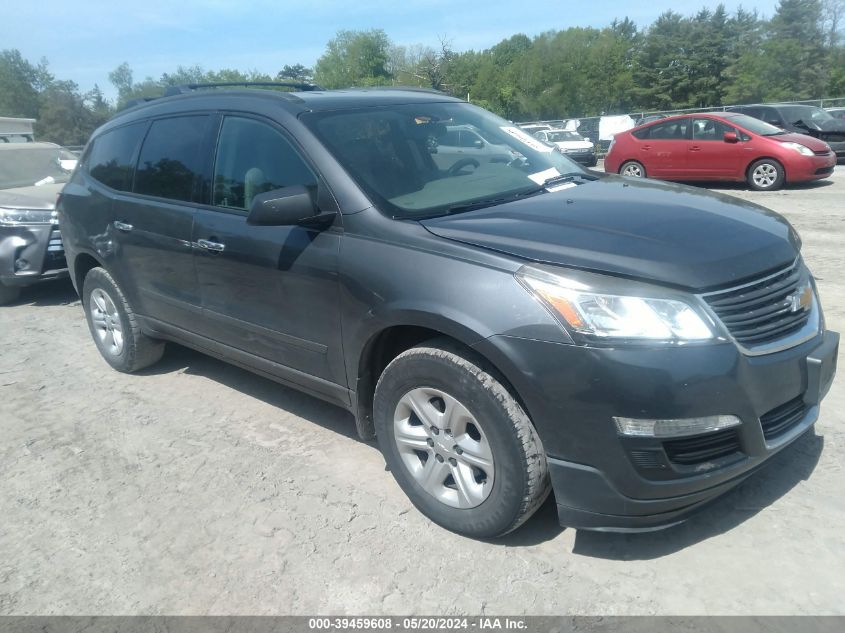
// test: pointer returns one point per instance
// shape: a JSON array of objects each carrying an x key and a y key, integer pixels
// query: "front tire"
[
  {"x": 766, "y": 174},
  {"x": 457, "y": 441},
  {"x": 633, "y": 169},
  {"x": 114, "y": 325}
]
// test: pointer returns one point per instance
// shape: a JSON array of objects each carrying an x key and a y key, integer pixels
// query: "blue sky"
[{"x": 84, "y": 40}]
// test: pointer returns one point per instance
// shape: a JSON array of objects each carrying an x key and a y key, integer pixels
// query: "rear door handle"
[
  {"x": 208, "y": 245},
  {"x": 695, "y": 148},
  {"x": 122, "y": 226},
  {"x": 646, "y": 147}
]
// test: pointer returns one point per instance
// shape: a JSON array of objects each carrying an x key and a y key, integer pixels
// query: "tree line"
[{"x": 706, "y": 59}]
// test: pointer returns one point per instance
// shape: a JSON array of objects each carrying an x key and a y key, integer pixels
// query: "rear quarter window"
[{"x": 110, "y": 159}]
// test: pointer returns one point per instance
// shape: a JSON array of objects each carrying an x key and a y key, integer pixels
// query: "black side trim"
[{"x": 318, "y": 387}]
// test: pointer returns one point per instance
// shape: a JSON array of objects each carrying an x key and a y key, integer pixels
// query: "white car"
[
  {"x": 572, "y": 144},
  {"x": 533, "y": 128},
  {"x": 464, "y": 141}
]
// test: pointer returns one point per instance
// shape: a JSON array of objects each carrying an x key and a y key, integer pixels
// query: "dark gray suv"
[{"x": 506, "y": 325}]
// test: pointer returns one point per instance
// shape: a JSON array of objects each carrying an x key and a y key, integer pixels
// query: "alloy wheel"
[
  {"x": 106, "y": 320},
  {"x": 765, "y": 175}
]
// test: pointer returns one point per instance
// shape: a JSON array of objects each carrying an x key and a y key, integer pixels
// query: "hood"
[
  {"x": 670, "y": 234},
  {"x": 41, "y": 197},
  {"x": 817, "y": 145}
]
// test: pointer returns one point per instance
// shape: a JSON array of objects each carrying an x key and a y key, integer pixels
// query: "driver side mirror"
[
  {"x": 287, "y": 206},
  {"x": 731, "y": 137},
  {"x": 478, "y": 143}
]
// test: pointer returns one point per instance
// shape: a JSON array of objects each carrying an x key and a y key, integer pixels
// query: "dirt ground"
[{"x": 199, "y": 488}]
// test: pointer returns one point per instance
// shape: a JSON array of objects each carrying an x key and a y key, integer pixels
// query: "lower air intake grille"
[
  {"x": 702, "y": 448},
  {"x": 780, "y": 419}
]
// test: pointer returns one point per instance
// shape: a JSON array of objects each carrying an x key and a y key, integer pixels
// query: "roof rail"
[
  {"x": 134, "y": 102},
  {"x": 188, "y": 88}
]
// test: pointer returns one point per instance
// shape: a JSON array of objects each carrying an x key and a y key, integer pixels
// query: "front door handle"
[
  {"x": 695, "y": 148},
  {"x": 208, "y": 245},
  {"x": 122, "y": 226}
]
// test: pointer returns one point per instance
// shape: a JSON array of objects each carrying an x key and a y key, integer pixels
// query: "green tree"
[
  {"x": 354, "y": 58},
  {"x": 19, "y": 85},
  {"x": 297, "y": 72}
]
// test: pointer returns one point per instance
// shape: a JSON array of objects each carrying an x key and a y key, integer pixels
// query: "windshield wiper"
[{"x": 472, "y": 206}]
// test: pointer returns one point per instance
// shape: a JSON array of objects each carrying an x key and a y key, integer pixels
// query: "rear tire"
[
  {"x": 765, "y": 174},
  {"x": 9, "y": 294},
  {"x": 466, "y": 455},
  {"x": 114, "y": 325},
  {"x": 633, "y": 169}
]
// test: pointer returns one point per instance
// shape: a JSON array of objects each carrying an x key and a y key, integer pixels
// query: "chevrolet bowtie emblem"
[{"x": 801, "y": 300}]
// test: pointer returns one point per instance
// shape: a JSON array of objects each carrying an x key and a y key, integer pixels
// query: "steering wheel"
[{"x": 455, "y": 169}]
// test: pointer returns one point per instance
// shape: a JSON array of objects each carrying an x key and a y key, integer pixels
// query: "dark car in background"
[
  {"x": 837, "y": 113},
  {"x": 503, "y": 329},
  {"x": 803, "y": 119},
  {"x": 31, "y": 177},
  {"x": 714, "y": 146}
]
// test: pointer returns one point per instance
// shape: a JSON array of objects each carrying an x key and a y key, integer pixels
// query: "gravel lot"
[{"x": 199, "y": 488}]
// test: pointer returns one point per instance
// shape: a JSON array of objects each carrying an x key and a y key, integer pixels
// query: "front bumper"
[
  {"x": 605, "y": 482},
  {"x": 838, "y": 147},
  {"x": 811, "y": 168},
  {"x": 584, "y": 158},
  {"x": 31, "y": 253}
]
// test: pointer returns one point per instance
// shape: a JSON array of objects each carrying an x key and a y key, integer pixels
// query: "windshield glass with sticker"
[{"x": 424, "y": 160}]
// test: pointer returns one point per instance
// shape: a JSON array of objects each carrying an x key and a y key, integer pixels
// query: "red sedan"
[{"x": 723, "y": 146}]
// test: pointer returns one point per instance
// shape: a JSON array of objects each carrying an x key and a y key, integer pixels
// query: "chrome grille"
[{"x": 765, "y": 310}]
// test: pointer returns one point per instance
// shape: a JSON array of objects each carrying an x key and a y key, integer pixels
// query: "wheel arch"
[
  {"x": 388, "y": 342},
  {"x": 756, "y": 159},
  {"x": 82, "y": 264}
]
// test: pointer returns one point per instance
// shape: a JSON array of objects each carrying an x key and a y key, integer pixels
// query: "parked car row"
[
  {"x": 506, "y": 323},
  {"x": 720, "y": 146}
]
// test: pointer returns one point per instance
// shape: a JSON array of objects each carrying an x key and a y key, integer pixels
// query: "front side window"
[
  {"x": 110, "y": 159},
  {"x": 709, "y": 130},
  {"x": 771, "y": 116},
  {"x": 399, "y": 157},
  {"x": 253, "y": 158},
  {"x": 171, "y": 158}
]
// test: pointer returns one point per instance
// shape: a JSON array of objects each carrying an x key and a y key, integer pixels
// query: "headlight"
[
  {"x": 617, "y": 316},
  {"x": 11, "y": 217},
  {"x": 801, "y": 149}
]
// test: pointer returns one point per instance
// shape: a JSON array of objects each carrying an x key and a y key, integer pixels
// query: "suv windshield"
[
  {"x": 397, "y": 155},
  {"x": 755, "y": 126},
  {"x": 557, "y": 137},
  {"x": 804, "y": 113},
  {"x": 22, "y": 166}
]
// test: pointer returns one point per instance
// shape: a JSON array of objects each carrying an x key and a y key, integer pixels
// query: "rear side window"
[
  {"x": 110, "y": 159},
  {"x": 254, "y": 158},
  {"x": 171, "y": 159},
  {"x": 671, "y": 130}
]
